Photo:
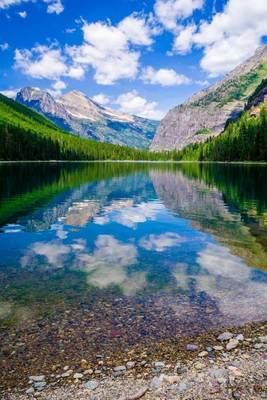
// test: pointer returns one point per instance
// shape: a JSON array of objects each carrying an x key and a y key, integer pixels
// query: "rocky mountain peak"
[
  {"x": 81, "y": 106},
  {"x": 205, "y": 114},
  {"x": 77, "y": 113}
]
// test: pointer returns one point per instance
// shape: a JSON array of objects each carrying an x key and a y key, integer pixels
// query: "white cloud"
[
  {"x": 4, "y": 46},
  {"x": 164, "y": 77},
  {"x": 8, "y": 3},
  {"x": 106, "y": 49},
  {"x": 70, "y": 30},
  {"x": 59, "y": 85},
  {"x": 101, "y": 99},
  {"x": 161, "y": 242},
  {"x": 184, "y": 41},
  {"x": 170, "y": 12},
  {"x": 136, "y": 30},
  {"x": 53, "y": 6},
  {"x": 132, "y": 103},
  {"x": 12, "y": 93},
  {"x": 43, "y": 62},
  {"x": 230, "y": 266},
  {"x": 54, "y": 253},
  {"x": 111, "y": 50},
  {"x": 231, "y": 37},
  {"x": 22, "y": 14},
  {"x": 106, "y": 265}
]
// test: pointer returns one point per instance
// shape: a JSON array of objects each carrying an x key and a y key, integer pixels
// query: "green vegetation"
[
  {"x": 26, "y": 135},
  {"x": 243, "y": 140},
  {"x": 203, "y": 131},
  {"x": 234, "y": 90}
]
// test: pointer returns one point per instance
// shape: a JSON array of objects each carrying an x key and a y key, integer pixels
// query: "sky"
[{"x": 141, "y": 57}]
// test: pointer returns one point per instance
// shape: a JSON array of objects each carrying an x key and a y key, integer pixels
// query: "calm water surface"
[{"x": 164, "y": 249}]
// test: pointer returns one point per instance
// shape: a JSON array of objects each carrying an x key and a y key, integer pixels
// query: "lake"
[{"x": 106, "y": 256}]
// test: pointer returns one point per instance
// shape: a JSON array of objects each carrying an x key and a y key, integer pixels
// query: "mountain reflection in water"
[{"x": 188, "y": 239}]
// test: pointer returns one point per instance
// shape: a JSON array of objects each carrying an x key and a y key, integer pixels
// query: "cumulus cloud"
[
  {"x": 12, "y": 93},
  {"x": 22, "y": 14},
  {"x": 53, "y": 6},
  {"x": 161, "y": 242},
  {"x": 133, "y": 103},
  {"x": 8, "y": 3},
  {"x": 101, "y": 99},
  {"x": 105, "y": 49},
  {"x": 41, "y": 62},
  {"x": 227, "y": 40},
  {"x": 59, "y": 85},
  {"x": 171, "y": 12},
  {"x": 164, "y": 77},
  {"x": 184, "y": 40},
  {"x": 4, "y": 46},
  {"x": 136, "y": 30},
  {"x": 106, "y": 265},
  {"x": 54, "y": 254},
  {"x": 46, "y": 62},
  {"x": 111, "y": 49}
]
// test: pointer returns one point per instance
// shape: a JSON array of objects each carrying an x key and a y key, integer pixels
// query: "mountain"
[
  {"x": 78, "y": 114},
  {"x": 27, "y": 135},
  {"x": 242, "y": 140},
  {"x": 205, "y": 114}
]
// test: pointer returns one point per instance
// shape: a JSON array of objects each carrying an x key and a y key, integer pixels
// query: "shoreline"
[
  {"x": 163, "y": 368},
  {"x": 134, "y": 161}
]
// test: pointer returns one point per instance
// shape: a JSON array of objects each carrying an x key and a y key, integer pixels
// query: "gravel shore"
[{"x": 233, "y": 367}]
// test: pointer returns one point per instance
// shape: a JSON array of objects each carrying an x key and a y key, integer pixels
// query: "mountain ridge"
[
  {"x": 206, "y": 113},
  {"x": 78, "y": 114}
]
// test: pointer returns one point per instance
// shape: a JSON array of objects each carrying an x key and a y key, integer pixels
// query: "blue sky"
[{"x": 141, "y": 57}]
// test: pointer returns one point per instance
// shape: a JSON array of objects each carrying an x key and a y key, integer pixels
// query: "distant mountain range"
[
  {"x": 76, "y": 113},
  {"x": 205, "y": 114}
]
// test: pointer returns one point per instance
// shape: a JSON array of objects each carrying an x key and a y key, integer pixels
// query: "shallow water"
[{"x": 158, "y": 248}]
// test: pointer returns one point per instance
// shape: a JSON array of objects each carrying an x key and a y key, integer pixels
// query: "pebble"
[
  {"x": 262, "y": 339},
  {"x": 240, "y": 337},
  {"x": 199, "y": 365},
  {"x": 218, "y": 348},
  {"x": 78, "y": 375},
  {"x": 30, "y": 390},
  {"x": 171, "y": 379},
  {"x": 120, "y": 368},
  {"x": 258, "y": 346},
  {"x": 218, "y": 373},
  {"x": 37, "y": 378},
  {"x": 130, "y": 364},
  {"x": 203, "y": 354},
  {"x": 88, "y": 372},
  {"x": 191, "y": 347},
  {"x": 65, "y": 375},
  {"x": 156, "y": 382},
  {"x": 182, "y": 387},
  {"x": 39, "y": 385},
  {"x": 232, "y": 344},
  {"x": 225, "y": 336},
  {"x": 158, "y": 364},
  {"x": 92, "y": 385}
]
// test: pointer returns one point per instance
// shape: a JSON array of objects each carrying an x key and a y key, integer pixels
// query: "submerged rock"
[
  {"x": 225, "y": 336},
  {"x": 92, "y": 385}
]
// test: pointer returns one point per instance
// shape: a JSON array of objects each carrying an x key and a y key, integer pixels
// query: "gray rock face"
[
  {"x": 205, "y": 114},
  {"x": 78, "y": 114}
]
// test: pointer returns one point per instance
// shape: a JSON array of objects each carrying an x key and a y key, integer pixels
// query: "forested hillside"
[
  {"x": 27, "y": 135},
  {"x": 243, "y": 140}
]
